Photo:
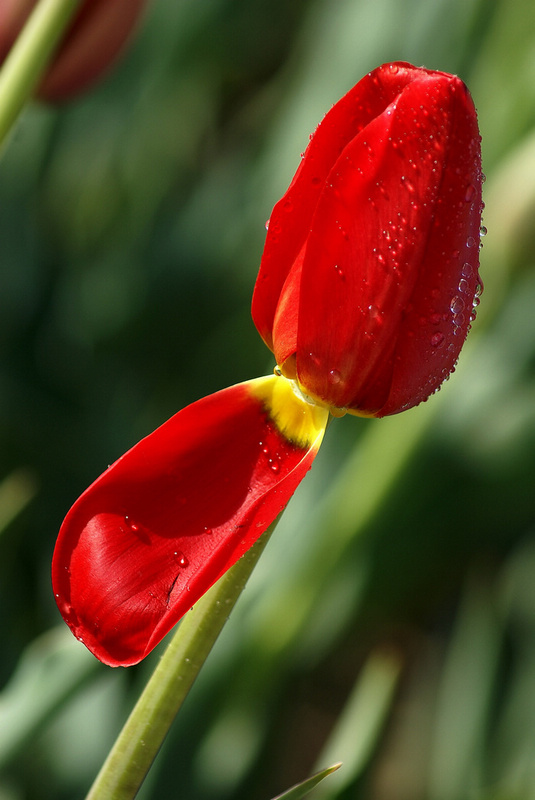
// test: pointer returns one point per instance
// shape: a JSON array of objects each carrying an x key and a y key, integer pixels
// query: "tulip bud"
[
  {"x": 369, "y": 279},
  {"x": 93, "y": 41}
]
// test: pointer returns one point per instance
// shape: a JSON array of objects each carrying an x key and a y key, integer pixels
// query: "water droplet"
[
  {"x": 408, "y": 185},
  {"x": 437, "y": 339},
  {"x": 180, "y": 559},
  {"x": 470, "y": 192},
  {"x": 267, "y": 224},
  {"x": 339, "y": 271},
  {"x": 464, "y": 286},
  {"x": 458, "y": 322},
  {"x": 482, "y": 231},
  {"x": 64, "y": 607},
  {"x": 334, "y": 376},
  {"x": 470, "y": 242},
  {"x": 476, "y": 301},
  {"x": 375, "y": 317},
  {"x": 457, "y": 305},
  {"x": 466, "y": 270},
  {"x": 208, "y": 531},
  {"x": 274, "y": 466}
]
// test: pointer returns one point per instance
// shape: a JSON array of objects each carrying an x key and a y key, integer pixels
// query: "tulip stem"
[
  {"x": 29, "y": 56},
  {"x": 137, "y": 745}
]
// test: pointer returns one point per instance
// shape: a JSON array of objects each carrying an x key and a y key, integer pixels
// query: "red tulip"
[
  {"x": 365, "y": 294},
  {"x": 93, "y": 41},
  {"x": 370, "y": 270}
]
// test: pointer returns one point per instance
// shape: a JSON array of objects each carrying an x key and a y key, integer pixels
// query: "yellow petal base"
[{"x": 300, "y": 422}]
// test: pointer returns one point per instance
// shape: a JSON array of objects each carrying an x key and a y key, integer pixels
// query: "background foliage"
[{"x": 391, "y": 621}]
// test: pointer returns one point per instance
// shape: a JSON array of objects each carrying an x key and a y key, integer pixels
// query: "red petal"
[
  {"x": 164, "y": 522},
  {"x": 291, "y": 218},
  {"x": 393, "y": 235}
]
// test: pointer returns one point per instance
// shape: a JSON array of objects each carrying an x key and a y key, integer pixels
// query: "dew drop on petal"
[
  {"x": 437, "y": 339},
  {"x": 65, "y": 608},
  {"x": 457, "y": 305},
  {"x": 134, "y": 527},
  {"x": 180, "y": 559},
  {"x": 464, "y": 286},
  {"x": 408, "y": 185},
  {"x": 458, "y": 321},
  {"x": 470, "y": 192},
  {"x": 466, "y": 270},
  {"x": 334, "y": 376}
]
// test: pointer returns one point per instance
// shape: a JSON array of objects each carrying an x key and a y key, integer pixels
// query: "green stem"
[
  {"x": 29, "y": 56},
  {"x": 138, "y": 743}
]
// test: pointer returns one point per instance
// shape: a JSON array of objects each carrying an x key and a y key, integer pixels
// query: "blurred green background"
[{"x": 391, "y": 621}]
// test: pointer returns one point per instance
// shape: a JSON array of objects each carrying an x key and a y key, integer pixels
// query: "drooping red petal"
[
  {"x": 392, "y": 249},
  {"x": 164, "y": 522},
  {"x": 291, "y": 218}
]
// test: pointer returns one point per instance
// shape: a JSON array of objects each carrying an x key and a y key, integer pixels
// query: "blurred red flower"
[
  {"x": 367, "y": 288},
  {"x": 93, "y": 41}
]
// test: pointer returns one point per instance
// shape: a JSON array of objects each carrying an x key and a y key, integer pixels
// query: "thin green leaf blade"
[{"x": 306, "y": 786}]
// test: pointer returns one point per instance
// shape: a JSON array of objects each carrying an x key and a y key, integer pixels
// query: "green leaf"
[
  {"x": 303, "y": 788},
  {"x": 50, "y": 671}
]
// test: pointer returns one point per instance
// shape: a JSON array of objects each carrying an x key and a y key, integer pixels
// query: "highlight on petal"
[{"x": 165, "y": 521}]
